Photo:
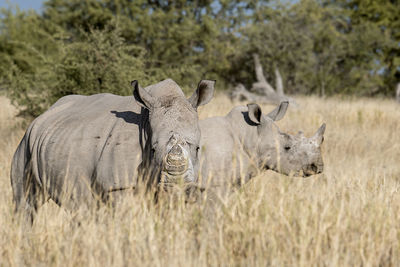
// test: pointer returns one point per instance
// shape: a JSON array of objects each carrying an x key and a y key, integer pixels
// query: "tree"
[
  {"x": 316, "y": 49},
  {"x": 378, "y": 23},
  {"x": 183, "y": 40},
  {"x": 320, "y": 47},
  {"x": 39, "y": 67}
]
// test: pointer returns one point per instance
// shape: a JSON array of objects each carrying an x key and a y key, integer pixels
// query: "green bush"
[{"x": 100, "y": 62}]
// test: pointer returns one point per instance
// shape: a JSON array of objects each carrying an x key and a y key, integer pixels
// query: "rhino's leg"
[
  {"x": 33, "y": 198},
  {"x": 17, "y": 176},
  {"x": 19, "y": 171},
  {"x": 27, "y": 195}
]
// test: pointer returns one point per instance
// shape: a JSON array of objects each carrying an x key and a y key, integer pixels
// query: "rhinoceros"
[
  {"x": 235, "y": 147},
  {"x": 85, "y": 147}
]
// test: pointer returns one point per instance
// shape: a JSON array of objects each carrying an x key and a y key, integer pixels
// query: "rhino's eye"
[{"x": 287, "y": 147}]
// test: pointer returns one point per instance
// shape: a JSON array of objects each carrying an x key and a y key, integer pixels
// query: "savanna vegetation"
[
  {"x": 345, "y": 49},
  {"x": 347, "y": 216},
  {"x": 323, "y": 47}
]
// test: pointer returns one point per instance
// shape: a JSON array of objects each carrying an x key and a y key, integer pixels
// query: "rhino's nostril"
[
  {"x": 311, "y": 169},
  {"x": 314, "y": 168}
]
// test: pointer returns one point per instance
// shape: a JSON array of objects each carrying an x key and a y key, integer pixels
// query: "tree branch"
[
  {"x": 261, "y": 91},
  {"x": 279, "y": 83},
  {"x": 259, "y": 71}
]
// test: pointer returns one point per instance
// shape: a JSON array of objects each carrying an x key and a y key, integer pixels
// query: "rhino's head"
[
  {"x": 285, "y": 153},
  {"x": 175, "y": 131}
]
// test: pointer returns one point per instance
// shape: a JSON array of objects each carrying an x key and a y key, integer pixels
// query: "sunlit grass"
[{"x": 349, "y": 215}]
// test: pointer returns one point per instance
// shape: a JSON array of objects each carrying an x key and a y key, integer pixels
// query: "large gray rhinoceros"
[
  {"x": 85, "y": 147},
  {"x": 235, "y": 147}
]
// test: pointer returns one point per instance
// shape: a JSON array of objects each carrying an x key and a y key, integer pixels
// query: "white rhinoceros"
[
  {"x": 85, "y": 147},
  {"x": 235, "y": 147}
]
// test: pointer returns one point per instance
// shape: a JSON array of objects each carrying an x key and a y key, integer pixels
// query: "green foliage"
[
  {"x": 318, "y": 49},
  {"x": 378, "y": 21},
  {"x": 85, "y": 47},
  {"x": 101, "y": 62},
  {"x": 38, "y": 75},
  {"x": 27, "y": 56},
  {"x": 182, "y": 39}
]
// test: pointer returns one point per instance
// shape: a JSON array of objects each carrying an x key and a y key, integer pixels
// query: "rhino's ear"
[
  {"x": 255, "y": 113},
  {"x": 319, "y": 135},
  {"x": 143, "y": 98},
  {"x": 203, "y": 93},
  {"x": 279, "y": 112}
]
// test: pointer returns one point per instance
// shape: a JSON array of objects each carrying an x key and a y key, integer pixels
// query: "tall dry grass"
[{"x": 349, "y": 215}]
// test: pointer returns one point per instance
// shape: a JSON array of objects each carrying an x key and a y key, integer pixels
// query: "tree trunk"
[{"x": 261, "y": 91}]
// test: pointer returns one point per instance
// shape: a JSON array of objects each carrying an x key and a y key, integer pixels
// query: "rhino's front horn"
[
  {"x": 175, "y": 162},
  {"x": 319, "y": 135}
]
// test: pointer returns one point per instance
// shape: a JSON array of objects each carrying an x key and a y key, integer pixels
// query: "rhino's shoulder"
[
  {"x": 225, "y": 124},
  {"x": 237, "y": 111},
  {"x": 238, "y": 116}
]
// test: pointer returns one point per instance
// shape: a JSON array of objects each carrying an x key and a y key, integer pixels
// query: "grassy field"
[{"x": 348, "y": 216}]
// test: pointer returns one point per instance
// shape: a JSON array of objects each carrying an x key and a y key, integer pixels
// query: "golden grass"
[{"x": 349, "y": 215}]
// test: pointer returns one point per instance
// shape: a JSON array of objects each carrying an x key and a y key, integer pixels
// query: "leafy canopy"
[{"x": 84, "y": 47}]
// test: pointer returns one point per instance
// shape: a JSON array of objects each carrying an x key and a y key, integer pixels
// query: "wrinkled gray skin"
[
  {"x": 85, "y": 147},
  {"x": 235, "y": 147}
]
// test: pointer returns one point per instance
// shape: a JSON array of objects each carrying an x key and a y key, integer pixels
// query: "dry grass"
[{"x": 350, "y": 215}]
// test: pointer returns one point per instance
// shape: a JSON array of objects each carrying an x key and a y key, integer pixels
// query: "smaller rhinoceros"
[{"x": 235, "y": 147}]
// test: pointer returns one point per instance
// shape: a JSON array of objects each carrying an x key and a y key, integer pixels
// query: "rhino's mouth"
[
  {"x": 312, "y": 169},
  {"x": 305, "y": 171},
  {"x": 299, "y": 173}
]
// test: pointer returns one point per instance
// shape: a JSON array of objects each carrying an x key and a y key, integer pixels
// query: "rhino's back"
[{"x": 82, "y": 141}]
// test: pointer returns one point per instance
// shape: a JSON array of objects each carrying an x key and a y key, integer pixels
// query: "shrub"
[{"x": 36, "y": 75}]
